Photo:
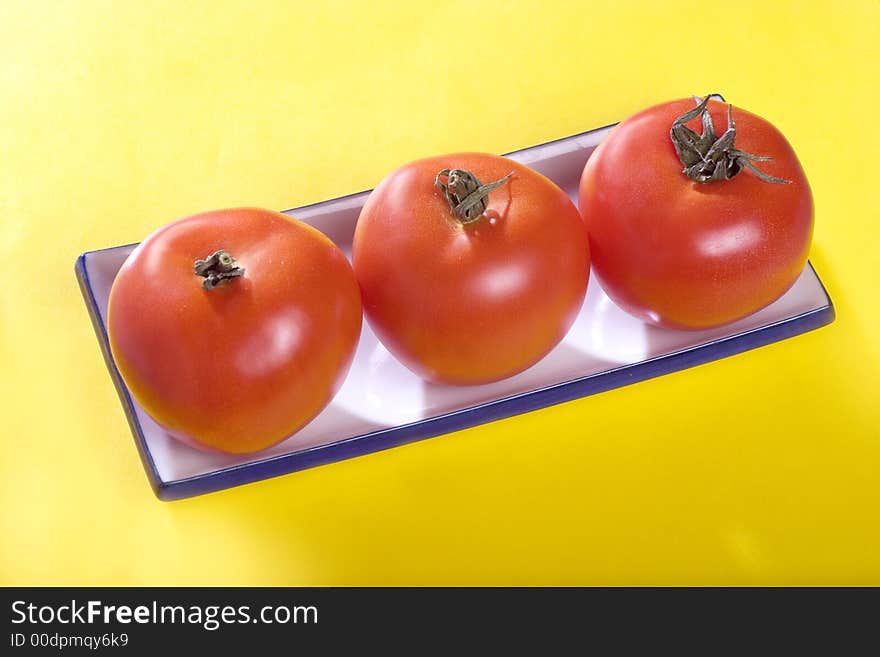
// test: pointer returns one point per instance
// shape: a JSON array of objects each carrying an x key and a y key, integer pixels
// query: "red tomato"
[
  {"x": 233, "y": 362},
  {"x": 686, "y": 254},
  {"x": 478, "y": 295}
]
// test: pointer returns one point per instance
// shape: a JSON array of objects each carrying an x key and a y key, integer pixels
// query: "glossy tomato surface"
[
  {"x": 469, "y": 303},
  {"x": 239, "y": 367},
  {"x": 691, "y": 255}
]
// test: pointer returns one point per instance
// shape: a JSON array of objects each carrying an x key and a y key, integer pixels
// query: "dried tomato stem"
[
  {"x": 707, "y": 157},
  {"x": 217, "y": 268},
  {"x": 466, "y": 195}
]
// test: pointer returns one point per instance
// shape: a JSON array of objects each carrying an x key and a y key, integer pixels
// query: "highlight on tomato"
[
  {"x": 472, "y": 267},
  {"x": 234, "y": 328},
  {"x": 699, "y": 214}
]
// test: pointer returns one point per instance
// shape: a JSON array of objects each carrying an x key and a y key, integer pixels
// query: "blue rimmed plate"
[{"x": 382, "y": 404}]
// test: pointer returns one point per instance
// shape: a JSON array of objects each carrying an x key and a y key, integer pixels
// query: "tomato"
[
  {"x": 234, "y": 360},
  {"x": 685, "y": 254},
  {"x": 473, "y": 295}
]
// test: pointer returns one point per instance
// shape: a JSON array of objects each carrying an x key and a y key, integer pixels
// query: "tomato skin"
[
  {"x": 242, "y": 366},
  {"x": 689, "y": 255},
  {"x": 470, "y": 303}
]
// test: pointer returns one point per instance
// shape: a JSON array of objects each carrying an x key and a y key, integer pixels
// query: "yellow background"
[{"x": 116, "y": 117}]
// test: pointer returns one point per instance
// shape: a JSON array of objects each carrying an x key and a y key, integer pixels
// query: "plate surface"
[{"x": 382, "y": 404}]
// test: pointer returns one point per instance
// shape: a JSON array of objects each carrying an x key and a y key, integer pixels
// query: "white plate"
[{"x": 382, "y": 404}]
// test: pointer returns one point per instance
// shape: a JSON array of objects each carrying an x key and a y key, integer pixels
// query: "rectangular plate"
[{"x": 382, "y": 404}]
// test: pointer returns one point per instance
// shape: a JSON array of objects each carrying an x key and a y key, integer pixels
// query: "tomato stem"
[
  {"x": 217, "y": 268},
  {"x": 466, "y": 195},
  {"x": 708, "y": 157}
]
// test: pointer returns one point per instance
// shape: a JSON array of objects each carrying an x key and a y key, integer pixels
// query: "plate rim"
[{"x": 397, "y": 435}]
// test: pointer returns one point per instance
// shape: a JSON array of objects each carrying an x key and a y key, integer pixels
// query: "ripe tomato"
[
  {"x": 686, "y": 254},
  {"x": 478, "y": 294},
  {"x": 230, "y": 360}
]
